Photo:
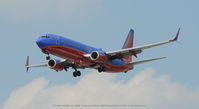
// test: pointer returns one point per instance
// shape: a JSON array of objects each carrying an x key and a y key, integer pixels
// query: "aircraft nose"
[{"x": 40, "y": 42}]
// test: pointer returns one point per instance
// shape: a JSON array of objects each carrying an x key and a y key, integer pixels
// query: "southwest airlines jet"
[{"x": 79, "y": 56}]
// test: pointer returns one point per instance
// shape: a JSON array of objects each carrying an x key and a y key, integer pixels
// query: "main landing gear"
[
  {"x": 76, "y": 73},
  {"x": 101, "y": 69}
]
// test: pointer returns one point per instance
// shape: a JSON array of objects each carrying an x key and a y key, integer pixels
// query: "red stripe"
[{"x": 77, "y": 57}]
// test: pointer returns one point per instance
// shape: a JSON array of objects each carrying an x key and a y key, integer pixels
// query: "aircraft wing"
[
  {"x": 136, "y": 50},
  {"x": 64, "y": 62},
  {"x": 144, "y": 61}
]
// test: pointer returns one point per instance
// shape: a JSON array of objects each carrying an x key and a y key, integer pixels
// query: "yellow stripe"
[{"x": 129, "y": 37}]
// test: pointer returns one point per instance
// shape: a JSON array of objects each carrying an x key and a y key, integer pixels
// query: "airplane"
[{"x": 80, "y": 56}]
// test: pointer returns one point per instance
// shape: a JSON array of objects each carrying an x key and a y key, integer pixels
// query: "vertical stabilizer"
[{"x": 129, "y": 43}]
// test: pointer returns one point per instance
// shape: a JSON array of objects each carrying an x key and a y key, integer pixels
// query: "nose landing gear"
[{"x": 45, "y": 52}]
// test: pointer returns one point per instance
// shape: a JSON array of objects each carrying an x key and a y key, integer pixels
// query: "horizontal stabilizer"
[
  {"x": 144, "y": 61},
  {"x": 34, "y": 66},
  {"x": 29, "y": 66},
  {"x": 41, "y": 65}
]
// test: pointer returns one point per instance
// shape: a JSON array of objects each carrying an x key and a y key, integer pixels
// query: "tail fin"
[
  {"x": 129, "y": 43},
  {"x": 129, "y": 40},
  {"x": 27, "y": 64}
]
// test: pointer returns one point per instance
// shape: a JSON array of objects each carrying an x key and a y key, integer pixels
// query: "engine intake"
[
  {"x": 94, "y": 55},
  {"x": 55, "y": 64},
  {"x": 51, "y": 63}
]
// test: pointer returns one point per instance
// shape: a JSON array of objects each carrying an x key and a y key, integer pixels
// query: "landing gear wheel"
[
  {"x": 101, "y": 69},
  {"x": 74, "y": 74},
  {"x": 47, "y": 57},
  {"x": 78, "y": 73}
]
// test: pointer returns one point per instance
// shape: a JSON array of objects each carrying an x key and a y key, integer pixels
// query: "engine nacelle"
[
  {"x": 96, "y": 57},
  {"x": 55, "y": 64}
]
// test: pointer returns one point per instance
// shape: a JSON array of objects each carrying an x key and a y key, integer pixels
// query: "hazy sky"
[{"x": 101, "y": 24}]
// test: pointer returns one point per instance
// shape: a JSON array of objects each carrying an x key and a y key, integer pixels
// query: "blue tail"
[
  {"x": 129, "y": 43},
  {"x": 129, "y": 40}
]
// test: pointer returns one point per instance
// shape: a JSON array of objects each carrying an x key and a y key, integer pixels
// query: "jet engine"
[
  {"x": 55, "y": 65},
  {"x": 96, "y": 57}
]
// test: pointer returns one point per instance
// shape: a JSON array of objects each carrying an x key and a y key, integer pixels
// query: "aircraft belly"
[
  {"x": 73, "y": 55},
  {"x": 76, "y": 57},
  {"x": 117, "y": 68}
]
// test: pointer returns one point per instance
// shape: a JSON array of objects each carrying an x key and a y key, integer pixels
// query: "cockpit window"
[{"x": 45, "y": 37}]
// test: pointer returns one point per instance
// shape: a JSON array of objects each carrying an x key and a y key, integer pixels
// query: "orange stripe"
[{"x": 129, "y": 37}]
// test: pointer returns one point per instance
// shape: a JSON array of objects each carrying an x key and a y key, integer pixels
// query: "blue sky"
[{"x": 102, "y": 24}]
